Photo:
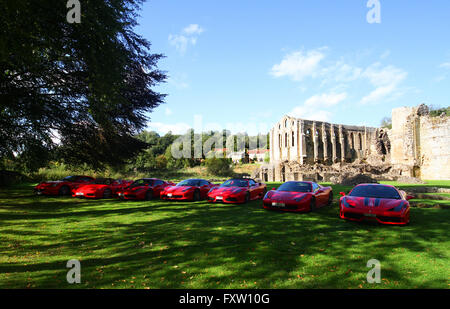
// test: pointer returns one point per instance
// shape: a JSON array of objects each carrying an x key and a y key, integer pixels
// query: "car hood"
[
  {"x": 49, "y": 183},
  {"x": 286, "y": 195},
  {"x": 371, "y": 202},
  {"x": 228, "y": 190},
  {"x": 179, "y": 189},
  {"x": 91, "y": 187},
  {"x": 136, "y": 188}
]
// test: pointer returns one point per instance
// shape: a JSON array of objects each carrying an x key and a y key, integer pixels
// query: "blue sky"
[{"x": 242, "y": 65}]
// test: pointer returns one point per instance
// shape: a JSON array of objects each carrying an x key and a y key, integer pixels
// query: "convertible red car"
[
  {"x": 64, "y": 186},
  {"x": 382, "y": 203},
  {"x": 101, "y": 188},
  {"x": 189, "y": 189},
  {"x": 300, "y": 196},
  {"x": 144, "y": 189},
  {"x": 240, "y": 190}
]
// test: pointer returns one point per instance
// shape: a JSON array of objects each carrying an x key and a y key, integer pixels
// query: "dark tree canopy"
[{"x": 87, "y": 84}]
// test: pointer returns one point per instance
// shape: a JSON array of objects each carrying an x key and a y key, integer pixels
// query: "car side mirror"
[
  {"x": 342, "y": 193},
  {"x": 273, "y": 188},
  {"x": 409, "y": 197}
]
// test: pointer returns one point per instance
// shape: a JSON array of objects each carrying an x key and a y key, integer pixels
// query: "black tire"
[
  {"x": 330, "y": 198},
  {"x": 107, "y": 193},
  {"x": 247, "y": 197},
  {"x": 312, "y": 206},
  {"x": 64, "y": 190},
  {"x": 264, "y": 192},
  {"x": 197, "y": 196},
  {"x": 149, "y": 195}
]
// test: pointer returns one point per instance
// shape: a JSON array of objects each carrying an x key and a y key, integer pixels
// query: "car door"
[
  {"x": 319, "y": 194},
  {"x": 253, "y": 189},
  {"x": 205, "y": 186},
  {"x": 158, "y": 186}
]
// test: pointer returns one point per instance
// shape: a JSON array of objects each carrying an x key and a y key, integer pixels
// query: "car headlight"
[
  {"x": 398, "y": 208},
  {"x": 348, "y": 203},
  {"x": 185, "y": 190},
  {"x": 298, "y": 199}
]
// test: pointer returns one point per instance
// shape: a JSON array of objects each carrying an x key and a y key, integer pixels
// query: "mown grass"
[{"x": 162, "y": 244}]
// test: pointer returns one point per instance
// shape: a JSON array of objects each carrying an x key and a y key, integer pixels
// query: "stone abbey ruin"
[{"x": 416, "y": 148}]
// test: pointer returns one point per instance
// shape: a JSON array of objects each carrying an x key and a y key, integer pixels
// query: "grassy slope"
[{"x": 197, "y": 245}]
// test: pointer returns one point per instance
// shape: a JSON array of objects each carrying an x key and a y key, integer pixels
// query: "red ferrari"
[
  {"x": 62, "y": 187},
  {"x": 101, "y": 188},
  {"x": 301, "y": 196},
  {"x": 237, "y": 191},
  {"x": 189, "y": 189},
  {"x": 382, "y": 203},
  {"x": 144, "y": 189}
]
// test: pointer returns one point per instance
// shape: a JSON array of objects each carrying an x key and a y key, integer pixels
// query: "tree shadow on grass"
[{"x": 199, "y": 245}]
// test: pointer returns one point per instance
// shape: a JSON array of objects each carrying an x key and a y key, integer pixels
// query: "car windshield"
[
  {"x": 293, "y": 186},
  {"x": 188, "y": 182},
  {"x": 103, "y": 181},
  {"x": 69, "y": 178},
  {"x": 235, "y": 183},
  {"x": 375, "y": 191},
  {"x": 142, "y": 182}
]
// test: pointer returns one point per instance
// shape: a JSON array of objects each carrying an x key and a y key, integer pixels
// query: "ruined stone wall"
[
  {"x": 435, "y": 148},
  {"x": 420, "y": 143},
  {"x": 306, "y": 142}
]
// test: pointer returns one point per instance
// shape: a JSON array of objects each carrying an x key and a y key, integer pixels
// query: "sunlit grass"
[{"x": 162, "y": 244}]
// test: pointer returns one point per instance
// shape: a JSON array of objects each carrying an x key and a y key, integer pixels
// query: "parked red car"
[
  {"x": 239, "y": 190},
  {"x": 144, "y": 189},
  {"x": 189, "y": 189},
  {"x": 101, "y": 188},
  {"x": 64, "y": 186},
  {"x": 301, "y": 196},
  {"x": 382, "y": 203}
]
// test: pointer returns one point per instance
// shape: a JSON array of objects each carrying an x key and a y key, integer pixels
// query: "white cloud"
[
  {"x": 187, "y": 37},
  {"x": 163, "y": 128},
  {"x": 386, "y": 81},
  {"x": 298, "y": 65},
  {"x": 312, "y": 109},
  {"x": 310, "y": 113},
  {"x": 193, "y": 29},
  {"x": 168, "y": 111},
  {"x": 326, "y": 99}
]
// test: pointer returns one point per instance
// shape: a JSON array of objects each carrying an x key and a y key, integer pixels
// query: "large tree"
[{"x": 86, "y": 86}]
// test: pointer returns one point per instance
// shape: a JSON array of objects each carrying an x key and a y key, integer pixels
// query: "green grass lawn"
[{"x": 162, "y": 244}]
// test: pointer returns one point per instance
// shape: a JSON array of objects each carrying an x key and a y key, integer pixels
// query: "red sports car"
[
  {"x": 382, "y": 203},
  {"x": 301, "y": 196},
  {"x": 189, "y": 189},
  {"x": 101, "y": 188},
  {"x": 62, "y": 187},
  {"x": 144, "y": 189},
  {"x": 240, "y": 190}
]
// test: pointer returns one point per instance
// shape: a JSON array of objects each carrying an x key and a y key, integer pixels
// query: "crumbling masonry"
[{"x": 417, "y": 146}]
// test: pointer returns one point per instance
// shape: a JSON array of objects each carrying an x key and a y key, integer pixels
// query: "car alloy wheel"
[
  {"x": 64, "y": 190},
  {"x": 312, "y": 206},
  {"x": 149, "y": 195},
  {"x": 196, "y": 195},
  {"x": 107, "y": 193}
]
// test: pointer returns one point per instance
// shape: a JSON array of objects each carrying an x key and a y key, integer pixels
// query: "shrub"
[{"x": 219, "y": 166}]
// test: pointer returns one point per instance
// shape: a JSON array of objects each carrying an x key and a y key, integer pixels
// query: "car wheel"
[
  {"x": 312, "y": 206},
  {"x": 149, "y": 195},
  {"x": 196, "y": 195},
  {"x": 107, "y": 193},
  {"x": 330, "y": 198},
  {"x": 64, "y": 190},
  {"x": 264, "y": 192},
  {"x": 247, "y": 197}
]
